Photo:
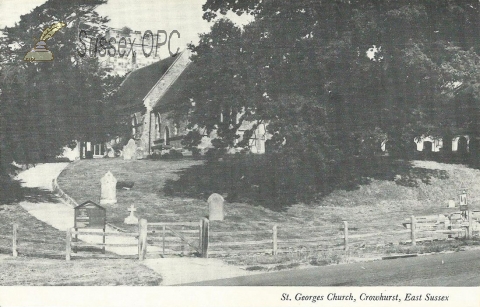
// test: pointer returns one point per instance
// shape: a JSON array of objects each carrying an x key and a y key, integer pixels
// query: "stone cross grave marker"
[
  {"x": 129, "y": 150},
  {"x": 108, "y": 189},
  {"x": 131, "y": 219},
  {"x": 215, "y": 207}
]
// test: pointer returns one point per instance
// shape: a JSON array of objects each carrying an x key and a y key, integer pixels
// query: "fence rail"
[
  {"x": 191, "y": 224},
  {"x": 174, "y": 238},
  {"x": 72, "y": 233},
  {"x": 106, "y": 234}
]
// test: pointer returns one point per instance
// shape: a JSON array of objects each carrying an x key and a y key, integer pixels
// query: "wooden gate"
[{"x": 182, "y": 239}]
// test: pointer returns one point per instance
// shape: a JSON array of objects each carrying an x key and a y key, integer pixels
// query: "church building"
[{"x": 147, "y": 96}]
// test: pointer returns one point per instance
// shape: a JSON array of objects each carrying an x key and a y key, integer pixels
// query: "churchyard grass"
[
  {"x": 35, "y": 236},
  {"x": 41, "y": 260},
  {"x": 28, "y": 271},
  {"x": 378, "y": 205}
]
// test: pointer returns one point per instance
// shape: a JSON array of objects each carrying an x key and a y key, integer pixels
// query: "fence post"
[
  {"x": 345, "y": 234},
  {"x": 470, "y": 225},
  {"x": 205, "y": 236},
  {"x": 15, "y": 240},
  {"x": 142, "y": 239},
  {"x": 413, "y": 226},
  {"x": 200, "y": 236},
  {"x": 76, "y": 240},
  {"x": 163, "y": 240},
  {"x": 103, "y": 241},
  {"x": 182, "y": 241},
  {"x": 68, "y": 243},
  {"x": 274, "y": 231},
  {"x": 139, "y": 242}
]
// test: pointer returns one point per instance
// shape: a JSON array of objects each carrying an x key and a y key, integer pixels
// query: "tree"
[
  {"x": 126, "y": 31},
  {"x": 47, "y": 105},
  {"x": 369, "y": 70}
]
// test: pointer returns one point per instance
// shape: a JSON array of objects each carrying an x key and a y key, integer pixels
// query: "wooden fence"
[
  {"x": 199, "y": 239},
  {"x": 72, "y": 243},
  {"x": 283, "y": 239},
  {"x": 434, "y": 227},
  {"x": 271, "y": 241},
  {"x": 160, "y": 238},
  {"x": 287, "y": 239}
]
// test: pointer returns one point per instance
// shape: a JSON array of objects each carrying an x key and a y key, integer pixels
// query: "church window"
[
  {"x": 134, "y": 125},
  {"x": 158, "y": 126},
  {"x": 175, "y": 129}
]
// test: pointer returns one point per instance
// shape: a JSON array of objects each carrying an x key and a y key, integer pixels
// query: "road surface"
[{"x": 458, "y": 269}]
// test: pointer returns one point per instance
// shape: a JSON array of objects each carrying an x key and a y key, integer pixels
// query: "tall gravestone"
[
  {"x": 108, "y": 189},
  {"x": 216, "y": 207},
  {"x": 129, "y": 150}
]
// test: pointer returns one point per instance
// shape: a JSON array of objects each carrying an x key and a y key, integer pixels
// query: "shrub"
[
  {"x": 172, "y": 154},
  {"x": 175, "y": 154}
]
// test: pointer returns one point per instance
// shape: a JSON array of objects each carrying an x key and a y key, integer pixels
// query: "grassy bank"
[{"x": 171, "y": 191}]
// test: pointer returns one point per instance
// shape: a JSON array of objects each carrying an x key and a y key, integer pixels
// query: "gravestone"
[
  {"x": 131, "y": 219},
  {"x": 451, "y": 203},
  {"x": 139, "y": 153},
  {"x": 215, "y": 207},
  {"x": 139, "y": 150},
  {"x": 129, "y": 150},
  {"x": 109, "y": 152},
  {"x": 108, "y": 189}
]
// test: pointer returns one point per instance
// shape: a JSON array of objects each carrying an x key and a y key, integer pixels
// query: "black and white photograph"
[{"x": 239, "y": 152}]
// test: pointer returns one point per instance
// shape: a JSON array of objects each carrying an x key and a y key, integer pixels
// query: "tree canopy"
[
  {"x": 335, "y": 79},
  {"x": 47, "y": 105}
]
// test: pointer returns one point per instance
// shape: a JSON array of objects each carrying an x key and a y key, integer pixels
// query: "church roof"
[
  {"x": 179, "y": 91},
  {"x": 139, "y": 82}
]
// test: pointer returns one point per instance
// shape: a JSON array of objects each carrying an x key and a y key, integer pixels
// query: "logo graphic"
[{"x": 40, "y": 52}]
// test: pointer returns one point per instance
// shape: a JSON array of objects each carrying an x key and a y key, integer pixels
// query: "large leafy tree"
[
  {"x": 47, "y": 105},
  {"x": 334, "y": 79}
]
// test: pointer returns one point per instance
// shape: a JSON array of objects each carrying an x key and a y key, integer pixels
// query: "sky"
[{"x": 185, "y": 16}]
